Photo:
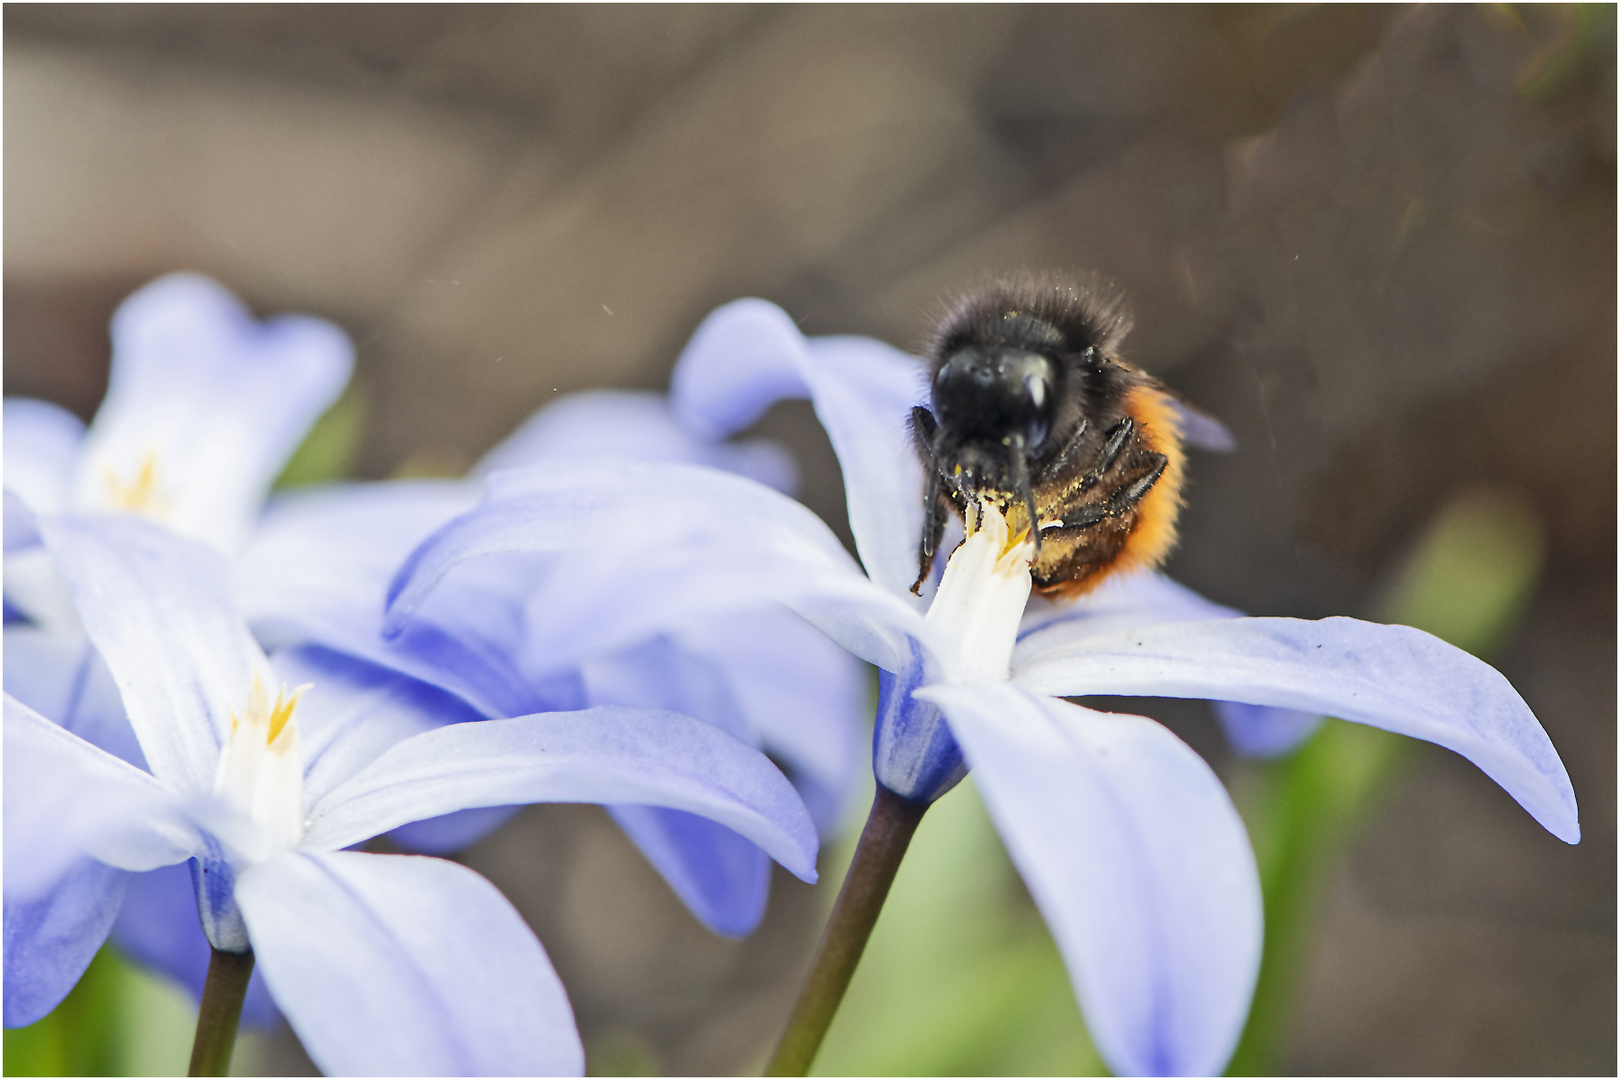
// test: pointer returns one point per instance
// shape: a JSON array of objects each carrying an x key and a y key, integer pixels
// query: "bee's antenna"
[{"x": 1025, "y": 490}]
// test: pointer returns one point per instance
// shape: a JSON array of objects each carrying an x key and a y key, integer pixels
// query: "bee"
[{"x": 1034, "y": 413}]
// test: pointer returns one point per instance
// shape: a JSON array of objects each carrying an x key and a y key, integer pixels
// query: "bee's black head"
[
  {"x": 997, "y": 395},
  {"x": 1016, "y": 364}
]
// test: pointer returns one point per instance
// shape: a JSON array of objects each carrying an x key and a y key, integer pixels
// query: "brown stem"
[
  {"x": 220, "y": 1012},
  {"x": 883, "y": 843}
]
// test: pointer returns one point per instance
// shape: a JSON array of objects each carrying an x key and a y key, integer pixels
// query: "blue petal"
[
  {"x": 864, "y": 391},
  {"x": 216, "y": 400},
  {"x": 633, "y": 424},
  {"x": 914, "y": 753},
  {"x": 41, "y": 447},
  {"x": 723, "y": 878},
  {"x": 1145, "y": 599},
  {"x": 1391, "y": 677},
  {"x": 21, "y": 527},
  {"x": 1137, "y": 859},
  {"x": 748, "y": 355},
  {"x": 742, "y": 359},
  {"x": 1200, "y": 429},
  {"x": 159, "y": 610},
  {"x": 804, "y": 699},
  {"x": 354, "y": 711},
  {"x": 62, "y": 677},
  {"x": 51, "y": 940},
  {"x": 1121, "y": 602},
  {"x": 592, "y": 520},
  {"x": 403, "y": 965},
  {"x": 545, "y": 510},
  {"x": 320, "y": 560},
  {"x": 1262, "y": 731},
  {"x": 452, "y": 832},
  {"x": 659, "y": 674},
  {"x": 158, "y": 928},
  {"x": 34, "y": 589},
  {"x": 318, "y": 569},
  {"x": 604, "y": 755},
  {"x": 65, "y": 799},
  {"x": 720, "y": 876}
]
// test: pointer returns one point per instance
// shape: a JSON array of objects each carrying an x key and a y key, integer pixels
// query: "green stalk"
[
  {"x": 220, "y": 1012},
  {"x": 883, "y": 843}
]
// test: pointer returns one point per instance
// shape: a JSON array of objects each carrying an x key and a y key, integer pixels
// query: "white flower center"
[
  {"x": 261, "y": 771},
  {"x": 981, "y": 597}
]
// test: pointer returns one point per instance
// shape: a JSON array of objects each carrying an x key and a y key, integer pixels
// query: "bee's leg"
[
  {"x": 1113, "y": 446},
  {"x": 923, "y": 431},
  {"x": 1130, "y": 490},
  {"x": 936, "y": 508},
  {"x": 935, "y": 504}
]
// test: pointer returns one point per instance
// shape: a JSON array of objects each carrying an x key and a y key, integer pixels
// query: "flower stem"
[
  {"x": 220, "y": 1011},
  {"x": 883, "y": 843}
]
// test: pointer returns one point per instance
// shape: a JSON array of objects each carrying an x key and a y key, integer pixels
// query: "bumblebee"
[{"x": 1034, "y": 413}]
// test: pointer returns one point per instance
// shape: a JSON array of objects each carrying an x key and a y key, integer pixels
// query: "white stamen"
[
  {"x": 981, "y": 597},
  {"x": 261, "y": 770}
]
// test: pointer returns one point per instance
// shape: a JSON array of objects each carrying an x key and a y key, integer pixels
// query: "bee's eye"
[
  {"x": 1038, "y": 423},
  {"x": 995, "y": 393}
]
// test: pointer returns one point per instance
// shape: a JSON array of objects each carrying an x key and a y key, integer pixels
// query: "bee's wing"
[{"x": 1201, "y": 429}]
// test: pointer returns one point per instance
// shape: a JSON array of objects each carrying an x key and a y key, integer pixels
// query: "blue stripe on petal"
[
  {"x": 914, "y": 753},
  {"x": 49, "y": 941}
]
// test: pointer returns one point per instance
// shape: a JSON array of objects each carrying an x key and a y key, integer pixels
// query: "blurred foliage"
[
  {"x": 82, "y": 1036},
  {"x": 961, "y": 976},
  {"x": 118, "y": 1021},
  {"x": 1467, "y": 581},
  {"x": 329, "y": 451},
  {"x": 621, "y": 1052},
  {"x": 1476, "y": 568},
  {"x": 1576, "y": 40}
]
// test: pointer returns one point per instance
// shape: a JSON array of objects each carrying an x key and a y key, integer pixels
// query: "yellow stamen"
[
  {"x": 282, "y": 711},
  {"x": 141, "y": 494},
  {"x": 272, "y": 716}
]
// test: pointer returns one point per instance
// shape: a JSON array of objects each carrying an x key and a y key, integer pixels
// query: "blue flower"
[
  {"x": 318, "y": 572},
  {"x": 262, "y": 770},
  {"x": 1129, "y": 844},
  {"x": 204, "y": 405},
  {"x": 203, "y": 408}
]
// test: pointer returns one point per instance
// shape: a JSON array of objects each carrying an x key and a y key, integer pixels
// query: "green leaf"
[{"x": 329, "y": 451}]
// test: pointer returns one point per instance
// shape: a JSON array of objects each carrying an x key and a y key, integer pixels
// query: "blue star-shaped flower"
[{"x": 1130, "y": 846}]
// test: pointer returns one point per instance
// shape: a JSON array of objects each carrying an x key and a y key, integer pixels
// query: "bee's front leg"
[
  {"x": 936, "y": 503},
  {"x": 1124, "y": 490}
]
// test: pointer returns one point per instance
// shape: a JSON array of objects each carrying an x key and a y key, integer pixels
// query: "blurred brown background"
[{"x": 1378, "y": 242}]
